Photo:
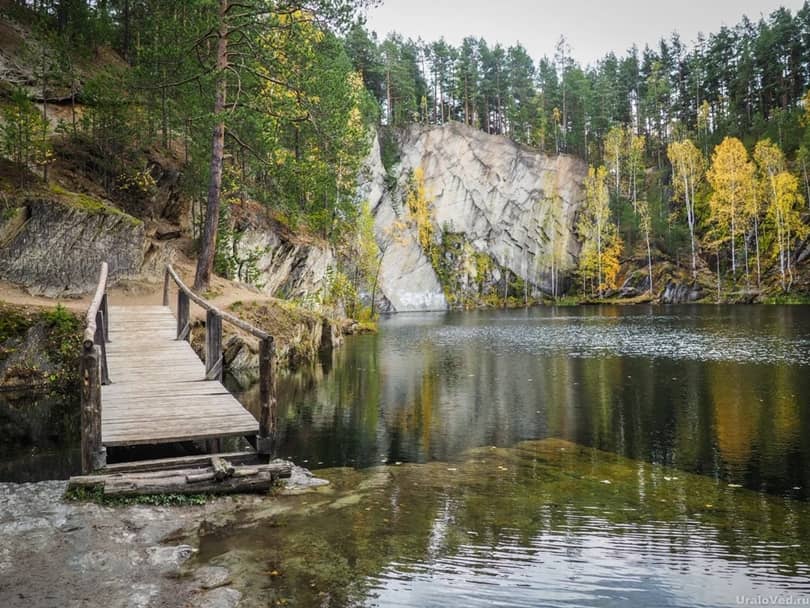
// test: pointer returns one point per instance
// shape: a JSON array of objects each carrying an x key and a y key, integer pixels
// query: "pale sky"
[{"x": 592, "y": 28}]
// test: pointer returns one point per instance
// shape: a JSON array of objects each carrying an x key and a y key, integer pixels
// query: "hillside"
[{"x": 109, "y": 154}]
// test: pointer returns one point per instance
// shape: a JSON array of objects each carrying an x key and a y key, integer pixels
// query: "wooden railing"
[
  {"x": 93, "y": 373},
  {"x": 214, "y": 356}
]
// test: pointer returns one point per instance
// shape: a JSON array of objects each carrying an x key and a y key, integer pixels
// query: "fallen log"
[
  {"x": 261, "y": 482},
  {"x": 182, "y": 462},
  {"x": 222, "y": 468},
  {"x": 199, "y": 480}
]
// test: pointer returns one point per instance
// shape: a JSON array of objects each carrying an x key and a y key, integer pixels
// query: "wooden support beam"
[
  {"x": 105, "y": 311},
  {"x": 95, "y": 304},
  {"x": 101, "y": 344},
  {"x": 213, "y": 345},
  {"x": 166, "y": 288},
  {"x": 94, "y": 455},
  {"x": 179, "y": 462},
  {"x": 182, "y": 315},
  {"x": 267, "y": 397},
  {"x": 222, "y": 468}
]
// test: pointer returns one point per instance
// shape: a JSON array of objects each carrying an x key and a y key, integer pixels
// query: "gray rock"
[
  {"x": 302, "y": 480},
  {"x": 169, "y": 556},
  {"x": 287, "y": 269},
  {"x": 681, "y": 293},
  {"x": 28, "y": 353},
  {"x": 84, "y": 237},
  {"x": 486, "y": 188},
  {"x": 222, "y": 597},
  {"x": 211, "y": 577}
]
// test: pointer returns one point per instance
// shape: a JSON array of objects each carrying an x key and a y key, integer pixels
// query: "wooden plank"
[
  {"x": 176, "y": 430},
  {"x": 223, "y": 402},
  {"x": 125, "y": 440},
  {"x": 258, "y": 477},
  {"x": 153, "y": 393},
  {"x": 180, "y": 462},
  {"x": 203, "y": 419},
  {"x": 165, "y": 428},
  {"x": 158, "y": 393},
  {"x": 163, "y": 422}
]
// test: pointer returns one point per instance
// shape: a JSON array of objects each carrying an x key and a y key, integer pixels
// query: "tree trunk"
[
  {"x": 205, "y": 262},
  {"x": 756, "y": 239},
  {"x": 649, "y": 259},
  {"x": 806, "y": 182}
]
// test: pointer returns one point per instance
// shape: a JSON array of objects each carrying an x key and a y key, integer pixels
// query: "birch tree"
[
  {"x": 771, "y": 162},
  {"x": 784, "y": 212},
  {"x": 634, "y": 145},
  {"x": 732, "y": 179},
  {"x": 601, "y": 242},
  {"x": 688, "y": 167}
]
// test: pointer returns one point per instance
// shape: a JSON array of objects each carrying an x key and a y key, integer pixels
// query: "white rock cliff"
[{"x": 488, "y": 188}]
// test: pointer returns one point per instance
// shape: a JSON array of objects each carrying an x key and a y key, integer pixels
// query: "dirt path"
[{"x": 222, "y": 294}]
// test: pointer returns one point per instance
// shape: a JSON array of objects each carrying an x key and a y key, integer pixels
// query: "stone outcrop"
[
  {"x": 272, "y": 257},
  {"x": 54, "y": 245},
  {"x": 287, "y": 269},
  {"x": 495, "y": 193},
  {"x": 681, "y": 293}
]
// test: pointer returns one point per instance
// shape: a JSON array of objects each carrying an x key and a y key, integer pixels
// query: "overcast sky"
[{"x": 593, "y": 28}]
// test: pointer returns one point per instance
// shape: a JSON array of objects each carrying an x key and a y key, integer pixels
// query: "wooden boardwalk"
[
  {"x": 158, "y": 392},
  {"x": 143, "y": 384}
]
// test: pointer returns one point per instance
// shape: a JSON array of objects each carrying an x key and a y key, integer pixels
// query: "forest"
[{"x": 698, "y": 152}]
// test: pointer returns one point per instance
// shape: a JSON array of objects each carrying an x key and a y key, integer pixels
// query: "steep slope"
[{"x": 491, "y": 198}]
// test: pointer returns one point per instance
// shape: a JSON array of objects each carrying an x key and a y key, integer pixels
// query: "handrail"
[
  {"x": 214, "y": 357},
  {"x": 95, "y": 304},
  {"x": 206, "y": 305}
]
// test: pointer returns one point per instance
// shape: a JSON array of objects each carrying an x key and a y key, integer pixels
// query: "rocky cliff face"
[
  {"x": 493, "y": 196},
  {"x": 55, "y": 245},
  {"x": 286, "y": 268},
  {"x": 274, "y": 258}
]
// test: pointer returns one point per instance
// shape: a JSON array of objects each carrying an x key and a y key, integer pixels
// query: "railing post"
[
  {"x": 166, "y": 287},
  {"x": 94, "y": 455},
  {"x": 105, "y": 309},
  {"x": 213, "y": 345},
  {"x": 267, "y": 397},
  {"x": 101, "y": 330},
  {"x": 182, "y": 315}
]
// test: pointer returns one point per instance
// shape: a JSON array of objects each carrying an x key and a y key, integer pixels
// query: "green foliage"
[
  {"x": 64, "y": 335},
  {"x": 96, "y": 495},
  {"x": 340, "y": 292},
  {"x": 788, "y": 298},
  {"x": 24, "y": 134},
  {"x": 13, "y": 322}
]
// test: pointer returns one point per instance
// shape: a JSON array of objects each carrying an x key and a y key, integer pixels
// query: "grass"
[
  {"x": 96, "y": 495},
  {"x": 91, "y": 205},
  {"x": 788, "y": 298},
  {"x": 61, "y": 346}
]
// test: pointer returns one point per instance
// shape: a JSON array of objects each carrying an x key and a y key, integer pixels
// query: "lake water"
[
  {"x": 594, "y": 456},
  {"x": 598, "y": 456}
]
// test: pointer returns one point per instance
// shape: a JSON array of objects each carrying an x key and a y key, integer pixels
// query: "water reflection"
[
  {"x": 39, "y": 436},
  {"x": 545, "y": 523},
  {"x": 723, "y": 391}
]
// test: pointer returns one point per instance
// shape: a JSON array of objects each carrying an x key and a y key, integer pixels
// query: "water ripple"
[
  {"x": 600, "y": 565},
  {"x": 651, "y": 337}
]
